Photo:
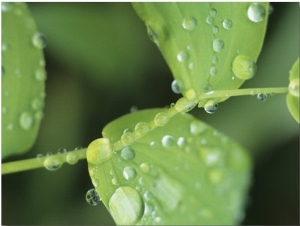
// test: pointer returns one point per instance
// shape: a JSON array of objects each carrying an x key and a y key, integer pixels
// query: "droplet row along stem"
[{"x": 34, "y": 163}]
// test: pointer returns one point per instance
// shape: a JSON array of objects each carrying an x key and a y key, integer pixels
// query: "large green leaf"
[
  {"x": 182, "y": 173},
  {"x": 208, "y": 46},
  {"x": 23, "y": 79},
  {"x": 292, "y": 98}
]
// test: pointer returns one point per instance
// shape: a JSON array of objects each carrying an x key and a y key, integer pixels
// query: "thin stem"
[{"x": 51, "y": 162}]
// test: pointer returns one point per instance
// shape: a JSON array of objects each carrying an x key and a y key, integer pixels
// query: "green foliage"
[
  {"x": 292, "y": 98},
  {"x": 186, "y": 172},
  {"x": 23, "y": 79},
  {"x": 204, "y": 43}
]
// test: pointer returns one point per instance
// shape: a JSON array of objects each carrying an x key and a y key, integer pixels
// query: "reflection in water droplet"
[
  {"x": 127, "y": 138},
  {"x": 127, "y": 153},
  {"x": 26, "y": 120},
  {"x": 209, "y": 20},
  {"x": 167, "y": 141},
  {"x": 184, "y": 105},
  {"x": 176, "y": 87},
  {"x": 129, "y": 173},
  {"x": 189, "y": 23},
  {"x": 39, "y": 40},
  {"x": 218, "y": 45},
  {"x": 92, "y": 197},
  {"x": 227, "y": 24},
  {"x": 52, "y": 163},
  {"x": 243, "y": 67},
  {"x": 181, "y": 142},
  {"x": 126, "y": 206},
  {"x": 213, "y": 12},
  {"x": 262, "y": 96},
  {"x": 256, "y": 12}
]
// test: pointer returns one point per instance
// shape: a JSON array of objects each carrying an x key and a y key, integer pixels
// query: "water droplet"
[
  {"x": 182, "y": 56},
  {"x": 215, "y": 30},
  {"x": 176, "y": 87},
  {"x": 100, "y": 150},
  {"x": 184, "y": 105},
  {"x": 262, "y": 96},
  {"x": 167, "y": 141},
  {"x": 134, "y": 109},
  {"x": 39, "y": 40},
  {"x": 243, "y": 67},
  {"x": 72, "y": 158},
  {"x": 92, "y": 197},
  {"x": 256, "y": 12},
  {"x": 37, "y": 104},
  {"x": 210, "y": 107},
  {"x": 26, "y": 120},
  {"x": 197, "y": 127},
  {"x": 213, "y": 12},
  {"x": 129, "y": 173},
  {"x": 6, "y": 6},
  {"x": 153, "y": 144},
  {"x": 218, "y": 45},
  {"x": 142, "y": 128},
  {"x": 114, "y": 181},
  {"x": 210, "y": 156},
  {"x": 294, "y": 87},
  {"x": 127, "y": 138},
  {"x": 145, "y": 167},
  {"x": 213, "y": 71},
  {"x": 148, "y": 196},
  {"x": 189, "y": 23},
  {"x": 209, "y": 20},
  {"x": 161, "y": 119},
  {"x": 227, "y": 24},
  {"x": 127, "y": 153},
  {"x": 181, "y": 142},
  {"x": 61, "y": 151},
  {"x": 126, "y": 206},
  {"x": 39, "y": 156},
  {"x": 40, "y": 75},
  {"x": 52, "y": 163}
]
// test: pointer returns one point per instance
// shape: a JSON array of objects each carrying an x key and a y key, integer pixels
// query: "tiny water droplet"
[
  {"x": 132, "y": 206},
  {"x": 39, "y": 156},
  {"x": 161, "y": 119},
  {"x": 40, "y": 75},
  {"x": 72, "y": 158},
  {"x": 4, "y": 110},
  {"x": 114, "y": 181},
  {"x": 189, "y": 23},
  {"x": 215, "y": 29},
  {"x": 129, "y": 173},
  {"x": 6, "y": 6},
  {"x": 39, "y": 40},
  {"x": 294, "y": 87},
  {"x": 100, "y": 150},
  {"x": 182, "y": 56},
  {"x": 145, "y": 167},
  {"x": 95, "y": 182},
  {"x": 176, "y": 87},
  {"x": 213, "y": 71},
  {"x": 127, "y": 153},
  {"x": 218, "y": 45},
  {"x": 167, "y": 141},
  {"x": 37, "y": 104},
  {"x": 213, "y": 12},
  {"x": 227, "y": 24},
  {"x": 209, "y": 20},
  {"x": 142, "y": 128},
  {"x": 152, "y": 34},
  {"x": 92, "y": 197},
  {"x": 256, "y": 12},
  {"x": 191, "y": 66},
  {"x": 10, "y": 127},
  {"x": 210, "y": 107},
  {"x": 262, "y": 96},
  {"x": 181, "y": 142},
  {"x": 26, "y": 120},
  {"x": 153, "y": 144},
  {"x": 243, "y": 67},
  {"x": 134, "y": 109},
  {"x": 271, "y": 9},
  {"x": 52, "y": 163}
]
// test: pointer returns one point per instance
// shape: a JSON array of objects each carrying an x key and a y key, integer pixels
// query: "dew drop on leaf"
[
  {"x": 244, "y": 67},
  {"x": 127, "y": 153},
  {"x": 126, "y": 205},
  {"x": 39, "y": 41},
  {"x": 256, "y": 12},
  {"x": 210, "y": 107},
  {"x": 92, "y": 197},
  {"x": 197, "y": 127},
  {"x": 167, "y": 141},
  {"x": 100, "y": 150},
  {"x": 129, "y": 173},
  {"x": 40, "y": 75},
  {"x": 189, "y": 23},
  {"x": 227, "y": 24},
  {"x": 161, "y": 119},
  {"x": 145, "y": 167},
  {"x": 26, "y": 120},
  {"x": 52, "y": 163},
  {"x": 182, "y": 56},
  {"x": 142, "y": 128},
  {"x": 218, "y": 45}
]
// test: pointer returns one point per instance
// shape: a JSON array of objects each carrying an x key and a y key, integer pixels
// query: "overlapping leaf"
[{"x": 182, "y": 173}]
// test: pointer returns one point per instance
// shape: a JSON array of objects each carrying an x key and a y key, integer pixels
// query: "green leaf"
[
  {"x": 23, "y": 79},
  {"x": 292, "y": 98},
  {"x": 182, "y": 173},
  {"x": 208, "y": 46}
]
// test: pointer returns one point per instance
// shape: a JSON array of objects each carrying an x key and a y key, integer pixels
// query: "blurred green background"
[{"x": 100, "y": 64}]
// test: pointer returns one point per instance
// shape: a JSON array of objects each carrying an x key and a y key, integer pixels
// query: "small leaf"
[
  {"x": 23, "y": 79},
  {"x": 292, "y": 98},
  {"x": 208, "y": 46},
  {"x": 182, "y": 173}
]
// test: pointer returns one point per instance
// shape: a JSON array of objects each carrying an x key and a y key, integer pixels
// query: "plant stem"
[{"x": 51, "y": 162}]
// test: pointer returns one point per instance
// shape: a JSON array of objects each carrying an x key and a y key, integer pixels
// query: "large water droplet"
[
  {"x": 189, "y": 23},
  {"x": 52, "y": 163},
  {"x": 127, "y": 153},
  {"x": 176, "y": 87},
  {"x": 167, "y": 141},
  {"x": 142, "y": 128},
  {"x": 218, "y": 45},
  {"x": 126, "y": 206},
  {"x": 256, "y": 12},
  {"x": 129, "y": 173},
  {"x": 294, "y": 87},
  {"x": 39, "y": 40},
  {"x": 182, "y": 56},
  {"x": 243, "y": 67},
  {"x": 92, "y": 197},
  {"x": 210, "y": 107},
  {"x": 262, "y": 96},
  {"x": 26, "y": 120},
  {"x": 227, "y": 24},
  {"x": 161, "y": 119},
  {"x": 99, "y": 151}
]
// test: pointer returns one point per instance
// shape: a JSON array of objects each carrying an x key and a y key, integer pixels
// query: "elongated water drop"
[
  {"x": 92, "y": 197},
  {"x": 142, "y": 128},
  {"x": 72, "y": 158},
  {"x": 161, "y": 119}
]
